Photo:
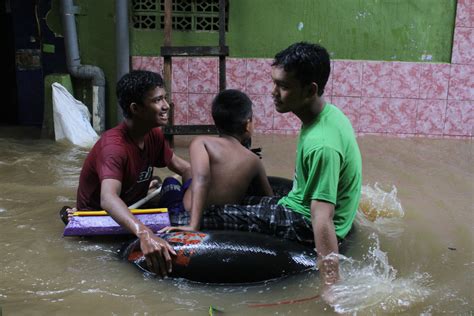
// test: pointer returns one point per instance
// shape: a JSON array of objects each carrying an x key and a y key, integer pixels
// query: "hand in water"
[
  {"x": 170, "y": 229},
  {"x": 329, "y": 272},
  {"x": 157, "y": 253}
]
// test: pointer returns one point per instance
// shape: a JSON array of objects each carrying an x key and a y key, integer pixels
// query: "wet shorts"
[
  {"x": 172, "y": 193},
  {"x": 254, "y": 214}
]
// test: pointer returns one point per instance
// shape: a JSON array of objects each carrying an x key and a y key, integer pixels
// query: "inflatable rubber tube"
[{"x": 229, "y": 257}]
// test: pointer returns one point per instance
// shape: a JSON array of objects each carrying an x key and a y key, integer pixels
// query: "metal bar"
[
  {"x": 167, "y": 66},
  {"x": 222, "y": 22},
  {"x": 190, "y": 129},
  {"x": 185, "y": 51},
  {"x": 222, "y": 68},
  {"x": 167, "y": 51}
]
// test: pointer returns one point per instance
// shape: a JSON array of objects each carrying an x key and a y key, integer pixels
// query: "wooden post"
[
  {"x": 222, "y": 68},
  {"x": 167, "y": 66}
]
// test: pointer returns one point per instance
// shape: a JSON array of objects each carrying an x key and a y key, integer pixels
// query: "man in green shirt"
[
  {"x": 327, "y": 180},
  {"x": 324, "y": 199}
]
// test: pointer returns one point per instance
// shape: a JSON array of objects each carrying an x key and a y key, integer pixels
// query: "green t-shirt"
[{"x": 328, "y": 168}]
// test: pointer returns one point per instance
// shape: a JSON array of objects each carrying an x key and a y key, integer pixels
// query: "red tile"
[
  {"x": 459, "y": 118},
  {"x": 463, "y": 13},
  {"x": 148, "y": 63},
  {"x": 285, "y": 121},
  {"x": 430, "y": 118},
  {"x": 203, "y": 76},
  {"x": 372, "y": 115},
  {"x": 199, "y": 108},
  {"x": 401, "y": 116},
  {"x": 262, "y": 112},
  {"x": 347, "y": 78},
  {"x": 180, "y": 101},
  {"x": 461, "y": 82},
  {"x": 180, "y": 74},
  {"x": 472, "y": 13},
  {"x": 463, "y": 46},
  {"x": 236, "y": 73},
  {"x": 405, "y": 81},
  {"x": 136, "y": 62},
  {"x": 259, "y": 79},
  {"x": 376, "y": 79},
  {"x": 434, "y": 81}
]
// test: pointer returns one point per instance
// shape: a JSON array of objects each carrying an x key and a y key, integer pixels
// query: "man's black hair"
[
  {"x": 231, "y": 109},
  {"x": 134, "y": 86},
  {"x": 308, "y": 62}
]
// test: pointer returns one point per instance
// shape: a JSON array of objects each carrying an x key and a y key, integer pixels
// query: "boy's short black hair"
[
  {"x": 133, "y": 87},
  {"x": 308, "y": 62},
  {"x": 231, "y": 109}
]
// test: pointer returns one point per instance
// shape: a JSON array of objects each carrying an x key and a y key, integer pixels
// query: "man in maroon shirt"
[{"x": 118, "y": 170}]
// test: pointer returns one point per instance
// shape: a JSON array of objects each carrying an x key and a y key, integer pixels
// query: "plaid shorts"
[{"x": 254, "y": 214}]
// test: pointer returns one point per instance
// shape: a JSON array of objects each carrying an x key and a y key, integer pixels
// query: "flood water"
[{"x": 412, "y": 252}]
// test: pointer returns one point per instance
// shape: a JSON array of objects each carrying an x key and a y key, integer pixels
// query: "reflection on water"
[{"x": 412, "y": 252}]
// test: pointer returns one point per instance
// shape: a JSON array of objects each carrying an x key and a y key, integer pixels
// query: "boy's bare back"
[{"x": 223, "y": 164}]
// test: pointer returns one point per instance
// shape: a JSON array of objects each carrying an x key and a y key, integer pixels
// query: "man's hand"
[
  {"x": 325, "y": 239},
  {"x": 257, "y": 151},
  {"x": 329, "y": 269},
  {"x": 154, "y": 184},
  {"x": 170, "y": 229},
  {"x": 70, "y": 212},
  {"x": 157, "y": 253},
  {"x": 329, "y": 272}
]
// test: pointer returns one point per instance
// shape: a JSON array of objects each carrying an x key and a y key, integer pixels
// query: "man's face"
[
  {"x": 288, "y": 93},
  {"x": 155, "y": 108}
]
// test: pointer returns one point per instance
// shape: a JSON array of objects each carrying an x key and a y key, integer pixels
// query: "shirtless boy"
[{"x": 222, "y": 168}]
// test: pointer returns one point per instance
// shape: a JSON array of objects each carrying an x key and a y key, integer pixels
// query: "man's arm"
[
  {"x": 322, "y": 214},
  {"x": 180, "y": 166},
  {"x": 156, "y": 250}
]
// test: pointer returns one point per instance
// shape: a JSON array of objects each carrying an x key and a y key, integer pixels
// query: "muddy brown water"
[{"x": 418, "y": 263}]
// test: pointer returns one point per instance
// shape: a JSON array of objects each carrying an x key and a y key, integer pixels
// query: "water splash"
[
  {"x": 371, "y": 285},
  {"x": 377, "y": 203},
  {"x": 380, "y": 210}
]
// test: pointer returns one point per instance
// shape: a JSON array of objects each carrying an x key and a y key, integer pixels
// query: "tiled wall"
[{"x": 379, "y": 97}]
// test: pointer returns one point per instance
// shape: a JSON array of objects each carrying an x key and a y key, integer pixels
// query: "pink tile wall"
[
  {"x": 397, "y": 98},
  {"x": 378, "y": 97}
]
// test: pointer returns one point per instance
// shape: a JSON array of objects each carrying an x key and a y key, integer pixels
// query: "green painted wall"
[
  {"x": 404, "y": 30},
  {"x": 95, "y": 25}
]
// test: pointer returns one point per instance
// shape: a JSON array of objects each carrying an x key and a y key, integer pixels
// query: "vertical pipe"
[
  {"x": 76, "y": 69},
  {"x": 167, "y": 67},
  {"x": 73, "y": 60},
  {"x": 122, "y": 46}
]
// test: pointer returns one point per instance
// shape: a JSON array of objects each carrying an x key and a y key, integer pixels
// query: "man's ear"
[
  {"x": 312, "y": 89},
  {"x": 249, "y": 126},
  {"x": 133, "y": 108}
]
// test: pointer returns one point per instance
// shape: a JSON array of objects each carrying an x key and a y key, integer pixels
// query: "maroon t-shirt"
[{"x": 116, "y": 156}]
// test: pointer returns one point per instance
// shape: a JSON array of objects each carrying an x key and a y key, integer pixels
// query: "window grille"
[{"x": 188, "y": 15}]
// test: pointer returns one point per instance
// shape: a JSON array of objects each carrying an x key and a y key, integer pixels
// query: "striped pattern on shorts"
[{"x": 254, "y": 214}]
